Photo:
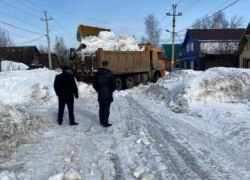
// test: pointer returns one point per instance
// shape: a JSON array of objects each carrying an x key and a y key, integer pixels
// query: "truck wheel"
[
  {"x": 129, "y": 82},
  {"x": 156, "y": 77},
  {"x": 118, "y": 82}
]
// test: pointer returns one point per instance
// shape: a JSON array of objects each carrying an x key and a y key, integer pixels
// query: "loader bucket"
[{"x": 84, "y": 31}]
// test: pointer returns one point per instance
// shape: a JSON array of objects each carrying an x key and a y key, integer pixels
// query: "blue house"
[{"x": 206, "y": 48}]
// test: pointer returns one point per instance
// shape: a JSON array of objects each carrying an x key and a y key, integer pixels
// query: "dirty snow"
[{"x": 188, "y": 125}]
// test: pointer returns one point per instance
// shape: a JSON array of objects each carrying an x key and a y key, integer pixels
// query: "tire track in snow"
[
  {"x": 184, "y": 159},
  {"x": 135, "y": 126}
]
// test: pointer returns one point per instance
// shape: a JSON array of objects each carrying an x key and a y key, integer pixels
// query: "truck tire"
[
  {"x": 156, "y": 77},
  {"x": 129, "y": 82},
  {"x": 118, "y": 82}
]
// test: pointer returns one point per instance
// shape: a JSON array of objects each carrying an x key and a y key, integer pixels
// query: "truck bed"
[{"x": 124, "y": 61}]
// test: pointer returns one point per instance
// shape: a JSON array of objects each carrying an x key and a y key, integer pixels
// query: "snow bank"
[
  {"x": 25, "y": 86},
  {"x": 12, "y": 66},
  {"x": 183, "y": 88},
  {"x": 15, "y": 125},
  {"x": 219, "y": 84},
  {"x": 19, "y": 90},
  {"x": 107, "y": 41}
]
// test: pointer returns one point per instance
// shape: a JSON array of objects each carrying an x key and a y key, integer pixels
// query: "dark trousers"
[
  {"x": 70, "y": 105},
  {"x": 104, "y": 112}
]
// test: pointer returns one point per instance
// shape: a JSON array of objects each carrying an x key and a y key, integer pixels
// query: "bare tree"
[
  {"x": 218, "y": 21},
  {"x": 43, "y": 49},
  {"x": 236, "y": 22},
  {"x": 5, "y": 39},
  {"x": 60, "y": 47},
  {"x": 152, "y": 30}
]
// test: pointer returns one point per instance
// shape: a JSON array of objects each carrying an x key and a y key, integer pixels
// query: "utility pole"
[
  {"x": 47, "y": 35},
  {"x": 173, "y": 33}
]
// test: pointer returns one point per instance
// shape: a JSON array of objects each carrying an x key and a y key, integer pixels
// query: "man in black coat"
[
  {"x": 104, "y": 84},
  {"x": 66, "y": 89}
]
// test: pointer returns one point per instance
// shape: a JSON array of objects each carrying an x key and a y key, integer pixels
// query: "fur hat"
[
  {"x": 105, "y": 63},
  {"x": 65, "y": 68}
]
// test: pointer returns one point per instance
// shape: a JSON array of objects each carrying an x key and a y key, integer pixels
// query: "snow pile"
[
  {"x": 15, "y": 125},
  {"x": 127, "y": 43},
  {"x": 107, "y": 41},
  {"x": 85, "y": 89},
  {"x": 17, "y": 87},
  {"x": 41, "y": 94},
  {"x": 183, "y": 88},
  {"x": 18, "y": 90},
  {"x": 219, "y": 84},
  {"x": 13, "y": 66}
]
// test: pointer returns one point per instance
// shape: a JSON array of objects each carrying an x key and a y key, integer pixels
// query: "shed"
[{"x": 22, "y": 54}]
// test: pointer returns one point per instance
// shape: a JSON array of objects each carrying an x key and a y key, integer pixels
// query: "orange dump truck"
[{"x": 129, "y": 67}]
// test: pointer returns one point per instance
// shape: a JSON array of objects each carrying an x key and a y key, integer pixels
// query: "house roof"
[
  {"x": 19, "y": 48},
  {"x": 244, "y": 39},
  {"x": 216, "y": 34}
]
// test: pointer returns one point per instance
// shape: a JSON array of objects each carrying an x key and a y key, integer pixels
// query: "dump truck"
[{"x": 129, "y": 67}]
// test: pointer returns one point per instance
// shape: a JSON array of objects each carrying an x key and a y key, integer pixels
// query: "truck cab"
[{"x": 157, "y": 61}]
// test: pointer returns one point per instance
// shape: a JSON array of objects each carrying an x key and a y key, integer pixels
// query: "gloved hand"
[{"x": 76, "y": 96}]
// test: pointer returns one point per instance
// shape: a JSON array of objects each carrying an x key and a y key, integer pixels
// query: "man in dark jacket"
[
  {"x": 66, "y": 89},
  {"x": 104, "y": 84}
]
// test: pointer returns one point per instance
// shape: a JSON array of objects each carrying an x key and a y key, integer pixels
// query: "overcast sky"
[{"x": 121, "y": 16}]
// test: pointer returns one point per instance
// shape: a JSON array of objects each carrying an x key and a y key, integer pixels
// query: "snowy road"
[{"x": 142, "y": 143}]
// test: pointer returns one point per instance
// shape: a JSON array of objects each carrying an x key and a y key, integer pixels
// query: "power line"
[
  {"x": 211, "y": 15},
  {"x": 20, "y": 20},
  {"x": 20, "y": 28},
  {"x": 162, "y": 19},
  {"x": 218, "y": 6},
  {"x": 190, "y": 6},
  {"x": 25, "y": 12},
  {"x": 25, "y": 5},
  {"x": 33, "y": 40},
  {"x": 112, "y": 8},
  {"x": 79, "y": 15},
  {"x": 38, "y": 7},
  {"x": 62, "y": 27}
]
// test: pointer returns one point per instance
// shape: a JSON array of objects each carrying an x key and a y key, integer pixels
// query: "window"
[
  {"x": 248, "y": 46},
  {"x": 160, "y": 56},
  {"x": 191, "y": 46}
]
